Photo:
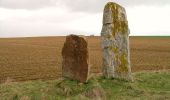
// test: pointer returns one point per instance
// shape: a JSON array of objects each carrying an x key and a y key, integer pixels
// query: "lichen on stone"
[{"x": 123, "y": 67}]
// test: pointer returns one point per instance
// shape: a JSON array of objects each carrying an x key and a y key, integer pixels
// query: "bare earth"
[{"x": 35, "y": 58}]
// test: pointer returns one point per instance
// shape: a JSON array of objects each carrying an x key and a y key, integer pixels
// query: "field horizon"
[{"x": 83, "y": 35}]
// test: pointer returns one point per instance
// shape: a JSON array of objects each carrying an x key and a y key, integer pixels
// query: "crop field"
[{"x": 23, "y": 59}]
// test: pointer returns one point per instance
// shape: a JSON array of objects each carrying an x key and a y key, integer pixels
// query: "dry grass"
[{"x": 40, "y": 58}]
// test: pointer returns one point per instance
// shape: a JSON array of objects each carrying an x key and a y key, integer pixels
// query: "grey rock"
[{"x": 115, "y": 42}]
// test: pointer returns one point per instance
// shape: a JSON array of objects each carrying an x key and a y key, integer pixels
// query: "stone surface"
[
  {"x": 115, "y": 42},
  {"x": 75, "y": 58}
]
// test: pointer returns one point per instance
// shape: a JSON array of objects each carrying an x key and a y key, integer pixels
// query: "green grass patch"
[{"x": 146, "y": 85}]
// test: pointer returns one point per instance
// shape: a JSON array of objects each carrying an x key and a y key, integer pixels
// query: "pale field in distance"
[{"x": 35, "y": 58}]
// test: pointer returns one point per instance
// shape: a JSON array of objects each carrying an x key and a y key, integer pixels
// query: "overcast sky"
[{"x": 20, "y": 18}]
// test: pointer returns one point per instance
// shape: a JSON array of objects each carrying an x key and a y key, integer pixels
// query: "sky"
[{"x": 27, "y": 18}]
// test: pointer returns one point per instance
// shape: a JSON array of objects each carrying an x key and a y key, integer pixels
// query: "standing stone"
[
  {"x": 115, "y": 42},
  {"x": 75, "y": 58}
]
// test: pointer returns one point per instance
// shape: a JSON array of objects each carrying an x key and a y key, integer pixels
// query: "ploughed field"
[{"x": 35, "y": 58}]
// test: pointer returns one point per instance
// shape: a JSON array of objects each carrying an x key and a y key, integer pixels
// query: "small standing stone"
[
  {"x": 115, "y": 42},
  {"x": 75, "y": 58}
]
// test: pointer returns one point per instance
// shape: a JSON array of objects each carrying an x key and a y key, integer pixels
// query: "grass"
[
  {"x": 146, "y": 86},
  {"x": 23, "y": 59}
]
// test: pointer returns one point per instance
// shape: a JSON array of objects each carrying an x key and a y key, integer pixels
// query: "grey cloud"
[
  {"x": 97, "y": 5},
  {"x": 77, "y": 5},
  {"x": 26, "y": 4}
]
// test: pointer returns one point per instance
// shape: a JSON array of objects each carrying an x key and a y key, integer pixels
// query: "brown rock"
[{"x": 75, "y": 58}]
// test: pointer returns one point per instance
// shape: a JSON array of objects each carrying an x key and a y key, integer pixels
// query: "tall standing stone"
[
  {"x": 75, "y": 58},
  {"x": 115, "y": 42}
]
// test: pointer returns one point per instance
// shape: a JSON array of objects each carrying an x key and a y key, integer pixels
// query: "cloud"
[
  {"x": 145, "y": 20},
  {"x": 63, "y": 17},
  {"x": 77, "y": 5},
  {"x": 26, "y": 4},
  {"x": 49, "y": 21},
  {"x": 98, "y": 5},
  {"x": 53, "y": 21}
]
